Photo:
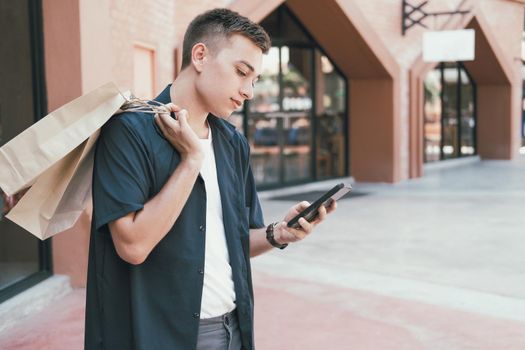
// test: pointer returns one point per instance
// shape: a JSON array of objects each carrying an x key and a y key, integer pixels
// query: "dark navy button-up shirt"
[{"x": 156, "y": 305}]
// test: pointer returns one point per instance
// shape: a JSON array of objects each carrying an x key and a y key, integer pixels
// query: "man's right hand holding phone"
[{"x": 284, "y": 234}]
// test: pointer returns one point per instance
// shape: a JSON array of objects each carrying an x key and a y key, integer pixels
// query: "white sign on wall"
[{"x": 449, "y": 45}]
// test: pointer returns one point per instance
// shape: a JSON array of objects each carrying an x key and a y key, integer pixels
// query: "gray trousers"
[{"x": 219, "y": 333}]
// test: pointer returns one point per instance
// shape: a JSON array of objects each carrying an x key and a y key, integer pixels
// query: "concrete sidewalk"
[{"x": 433, "y": 263}]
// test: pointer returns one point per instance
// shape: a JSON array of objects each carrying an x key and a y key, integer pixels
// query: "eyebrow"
[{"x": 249, "y": 67}]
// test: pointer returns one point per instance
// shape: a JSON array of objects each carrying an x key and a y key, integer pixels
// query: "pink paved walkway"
[{"x": 308, "y": 316}]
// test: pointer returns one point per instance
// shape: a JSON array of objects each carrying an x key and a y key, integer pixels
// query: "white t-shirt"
[{"x": 218, "y": 294}]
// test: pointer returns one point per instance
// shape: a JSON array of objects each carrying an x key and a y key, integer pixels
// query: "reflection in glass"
[
  {"x": 448, "y": 134},
  {"x": 18, "y": 249},
  {"x": 297, "y": 149},
  {"x": 468, "y": 122},
  {"x": 450, "y": 117},
  {"x": 266, "y": 90},
  {"x": 330, "y": 94},
  {"x": 19, "y": 104},
  {"x": 264, "y": 140},
  {"x": 296, "y": 66},
  {"x": 432, "y": 115}
]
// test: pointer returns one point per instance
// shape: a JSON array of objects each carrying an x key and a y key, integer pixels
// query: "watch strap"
[{"x": 271, "y": 238}]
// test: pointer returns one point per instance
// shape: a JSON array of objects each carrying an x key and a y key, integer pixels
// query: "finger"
[
  {"x": 173, "y": 109},
  {"x": 183, "y": 118},
  {"x": 332, "y": 207},
  {"x": 322, "y": 214},
  {"x": 166, "y": 130},
  {"x": 170, "y": 107},
  {"x": 158, "y": 121},
  {"x": 169, "y": 122},
  {"x": 305, "y": 225},
  {"x": 301, "y": 206}
]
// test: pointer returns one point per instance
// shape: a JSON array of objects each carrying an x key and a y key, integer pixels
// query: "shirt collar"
[{"x": 226, "y": 128}]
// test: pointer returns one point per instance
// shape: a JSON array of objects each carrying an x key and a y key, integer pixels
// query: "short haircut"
[{"x": 215, "y": 25}]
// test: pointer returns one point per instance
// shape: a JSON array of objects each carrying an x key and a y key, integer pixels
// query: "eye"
[{"x": 241, "y": 73}]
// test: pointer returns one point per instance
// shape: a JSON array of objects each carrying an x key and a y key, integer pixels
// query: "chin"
[{"x": 222, "y": 114}]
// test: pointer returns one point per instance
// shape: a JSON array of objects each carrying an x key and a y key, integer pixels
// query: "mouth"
[{"x": 236, "y": 103}]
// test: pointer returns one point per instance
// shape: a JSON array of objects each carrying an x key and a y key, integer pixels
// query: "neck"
[{"x": 184, "y": 95}]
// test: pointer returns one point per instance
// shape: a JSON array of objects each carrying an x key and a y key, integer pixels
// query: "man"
[{"x": 176, "y": 216}]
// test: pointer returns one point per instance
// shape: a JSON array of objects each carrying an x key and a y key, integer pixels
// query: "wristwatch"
[{"x": 271, "y": 239}]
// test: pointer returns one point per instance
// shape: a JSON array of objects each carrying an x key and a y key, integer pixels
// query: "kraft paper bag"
[
  {"x": 55, "y": 157},
  {"x": 37, "y": 148},
  {"x": 57, "y": 198}
]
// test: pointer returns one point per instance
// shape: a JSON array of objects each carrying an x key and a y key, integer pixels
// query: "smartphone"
[{"x": 310, "y": 213}]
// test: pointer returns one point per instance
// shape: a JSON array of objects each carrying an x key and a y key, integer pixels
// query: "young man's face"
[{"x": 228, "y": 76}]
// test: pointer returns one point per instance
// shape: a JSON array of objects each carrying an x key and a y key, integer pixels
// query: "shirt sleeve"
[{"x": 120, "y": 172}]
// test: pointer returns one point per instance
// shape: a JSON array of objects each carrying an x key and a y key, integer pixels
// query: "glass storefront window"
[
  {"x": 432, "y": 115},
  {"x": 266, "y": 91},
  {"x": 467, "y": 121},
  {"x": 19, "y": 256},
  {"x": 286, "y": 111},
  {"x": 449, "y": 113},
  {"x": 24, "y": 260},
  {"x": 331, "y": 96},
  {"x": 296, "y": 65},
  {"x": 297, "y": 149},
  {"x": 264, "y": 138}
]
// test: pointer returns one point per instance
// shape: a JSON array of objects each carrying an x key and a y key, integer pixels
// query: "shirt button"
[
  {"x": 201, "y": 271},
  {"x": 201, "y": 227},
  {"x": 196, "y": 315}
]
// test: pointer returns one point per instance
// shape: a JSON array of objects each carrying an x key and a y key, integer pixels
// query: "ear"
[{"x": 199, "y": 53}]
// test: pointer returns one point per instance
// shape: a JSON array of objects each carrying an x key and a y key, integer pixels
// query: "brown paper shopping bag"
[
  {"x": 57, "y": 198},
  {"x": 36, "y": 149},
  {"x": 55, "y": 158}
]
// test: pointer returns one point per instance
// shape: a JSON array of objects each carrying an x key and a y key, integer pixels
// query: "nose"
[{"x": 247, "y": 91}]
